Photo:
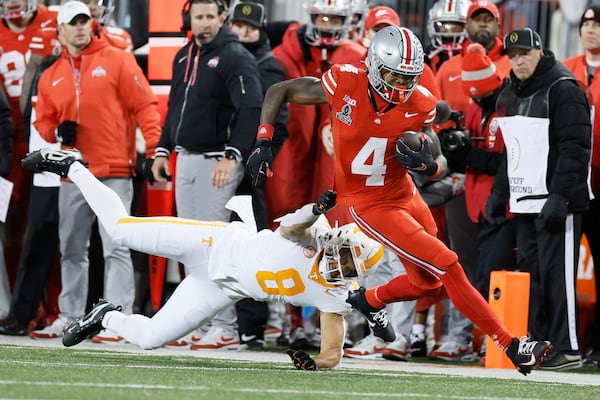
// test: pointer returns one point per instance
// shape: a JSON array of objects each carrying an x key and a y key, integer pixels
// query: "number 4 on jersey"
[{"x": 370, "y": 161}]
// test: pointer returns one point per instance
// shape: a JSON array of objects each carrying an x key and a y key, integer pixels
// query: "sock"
[
  {"x": 470, "y": 302},
  {"x": 397, "y": 289},
  {"x": 418, "y": 330}
]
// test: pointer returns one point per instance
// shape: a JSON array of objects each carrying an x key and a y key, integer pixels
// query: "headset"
[{"x": 186, "y": 23}]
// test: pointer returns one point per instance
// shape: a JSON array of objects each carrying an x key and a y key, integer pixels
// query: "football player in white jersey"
[{"x": 304, "y": 262}]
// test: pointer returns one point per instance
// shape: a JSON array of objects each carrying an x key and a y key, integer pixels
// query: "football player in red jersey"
[{"x": 370, "y": 109}]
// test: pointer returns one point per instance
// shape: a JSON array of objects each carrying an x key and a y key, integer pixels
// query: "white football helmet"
[
  {"x": 342, "y": 245},
  {"x": 395, "y": 63},
  {"x": 101, "y": 10},
  {"x": 13, "y": 9},
  {"x": 446, "y": 24},
  {"x": 359, "y": 9},
  {"x": 329, "y": 36}
]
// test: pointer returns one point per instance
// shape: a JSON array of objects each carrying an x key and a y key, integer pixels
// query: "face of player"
[
  {"x": 247, "y": 33},
  {"x": 328, "y": 24},
  {"x": 14, "y": 10},
  {"x": 206, "y": 22},
  {"x": 397, "y": 86},
  {"x": 77, "y": 34},
  {"x": 346, "y": 265},
  {"x": 524, "y": 61}
]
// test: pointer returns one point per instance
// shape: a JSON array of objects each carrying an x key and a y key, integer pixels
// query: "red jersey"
[
  {"x": 366, "y": 169},
  {"x": 14, "y": 53}
]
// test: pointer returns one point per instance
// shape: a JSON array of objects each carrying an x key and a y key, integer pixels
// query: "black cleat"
[
  {"x": 50, "y": 160},
  {"x": 527, "y": 355},
  {"x": 88, "y": 325},
  {"x": 14, "y": 328},
  {"x": 378, "y": 320}
]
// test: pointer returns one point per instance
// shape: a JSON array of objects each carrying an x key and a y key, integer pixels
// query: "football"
[{"x": 412, "y": 139}]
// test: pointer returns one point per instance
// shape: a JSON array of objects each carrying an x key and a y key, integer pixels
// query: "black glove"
[
  {"x": 302, "y": 360},
  {"x": 325, "y": 203},
  {"x": 147, "y": 171},
  {"x": 66, "y": 132},
  {"x": 417, "y": 161},
  {"x": 554, "y": 213},
  {"x": 495, "y": 208},
  {"x": 259, "y": 163}
]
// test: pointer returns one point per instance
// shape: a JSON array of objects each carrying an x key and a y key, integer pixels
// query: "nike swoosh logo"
[
  {"x": 423, "y": 167},
  {"x": 408, "y": 115},
  {"x": 56, "y": 82},
  {"x": 247, "y": 338},
  {"x": 453, "y": 78},
  {"x": 45, "y": 23},
  {"x": 329, "y": 292},
  {"x": 195, "y": 338}
]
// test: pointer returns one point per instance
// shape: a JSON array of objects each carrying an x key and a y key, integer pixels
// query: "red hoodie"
[{"x": 99, "y": 96}]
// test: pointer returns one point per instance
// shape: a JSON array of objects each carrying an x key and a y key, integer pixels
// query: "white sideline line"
[
  {"x": 252, "y": 390},
  {"x": 280, "y": 360}
]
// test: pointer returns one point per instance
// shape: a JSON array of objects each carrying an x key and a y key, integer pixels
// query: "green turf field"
[{"x": 58, "y": 373}]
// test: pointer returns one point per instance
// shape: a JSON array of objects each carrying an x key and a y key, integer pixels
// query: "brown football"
[{"x": 412, "y": 139}]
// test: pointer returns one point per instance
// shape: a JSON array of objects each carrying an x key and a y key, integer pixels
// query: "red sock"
[
  {"x": 470, "y": 302},
  {"x": 397, "y": 289}
]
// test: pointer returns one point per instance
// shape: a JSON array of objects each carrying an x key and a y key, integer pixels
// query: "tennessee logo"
[
  {"x": 309, "y": 251},
  {"x": 213, "y": 62}
]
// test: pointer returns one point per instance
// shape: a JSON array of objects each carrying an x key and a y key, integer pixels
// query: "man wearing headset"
[{"x": 213, "y": 113}]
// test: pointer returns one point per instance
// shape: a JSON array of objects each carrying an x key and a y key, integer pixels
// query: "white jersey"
[{"x": 268, "y": 267}]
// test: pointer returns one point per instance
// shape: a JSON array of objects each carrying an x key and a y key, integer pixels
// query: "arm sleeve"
[
  {"x": 242, "y": 80},
  {"x": 138, "y": 96}
]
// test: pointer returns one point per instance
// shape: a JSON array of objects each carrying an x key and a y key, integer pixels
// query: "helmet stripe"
[{"x": 407, "y": 44}]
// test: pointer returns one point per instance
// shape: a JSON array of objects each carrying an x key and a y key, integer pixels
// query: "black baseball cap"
[
  {"x": 522, "y": 39},
  {"x": 252, "y": 13}
]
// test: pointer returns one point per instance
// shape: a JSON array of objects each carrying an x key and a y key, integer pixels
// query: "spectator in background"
[
  {"x": 213, "y": 110},
  {"x": 39, "y": 266},
  {"x": 585, "y": 68},
  {"x": 72, "y": 117},
  {"x": 305, "y": 166},
  {"x": 6, "y": 148},
  {"x": 483, "y": 21},
  {"x": 478, "y": 155},
  {"x": 545, "y": 121},
  {"x": 248, "y": 22},
  {"x": 21, "y": 19}
]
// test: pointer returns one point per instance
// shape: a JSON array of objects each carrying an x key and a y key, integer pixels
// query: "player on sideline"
[
  {"x": 370, "y": 109},
  {"x": 304, "y": 262}
]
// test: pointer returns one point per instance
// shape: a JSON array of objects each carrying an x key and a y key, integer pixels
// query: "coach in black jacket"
[
  {"x": 212, "y": 119},
  {"x": 545, "y": 123},
  {"x": 213, "y": 113}
]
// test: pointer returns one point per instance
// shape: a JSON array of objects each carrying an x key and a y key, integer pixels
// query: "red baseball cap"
[
  {"x": 485, "y": 5},
  {"x": 381, "y": 15}
]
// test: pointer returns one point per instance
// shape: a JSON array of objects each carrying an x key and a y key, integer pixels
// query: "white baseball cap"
[{"x": 70, "y": 10}]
